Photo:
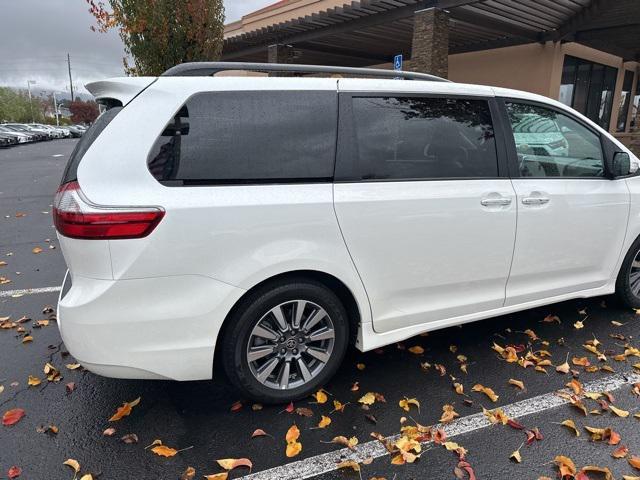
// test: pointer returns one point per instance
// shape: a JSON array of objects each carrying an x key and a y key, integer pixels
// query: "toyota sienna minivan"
[{"x": 264, "y": 223}]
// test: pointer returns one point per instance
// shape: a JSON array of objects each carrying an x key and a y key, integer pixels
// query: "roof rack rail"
[{"x": 206, "y": 69}]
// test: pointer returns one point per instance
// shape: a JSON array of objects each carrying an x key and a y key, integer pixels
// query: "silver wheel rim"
[
  {"x": 634, "y": 275},
  {"x": 290, "y": 345}
]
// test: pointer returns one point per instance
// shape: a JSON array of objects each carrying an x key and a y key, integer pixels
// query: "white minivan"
[{"x": 264, "y": 223}]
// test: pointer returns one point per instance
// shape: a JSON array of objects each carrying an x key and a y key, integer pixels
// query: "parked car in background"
[
  {"x": 7, "y": 140},
  {"x": 294, "y": 216},
  {"x": 76, "y": 131},
  {"x": 38, "y": 134},
  {"x": 23, "y": 134}
]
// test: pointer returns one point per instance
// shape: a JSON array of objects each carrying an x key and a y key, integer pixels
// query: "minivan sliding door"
[{"x": 425, "y": 206}]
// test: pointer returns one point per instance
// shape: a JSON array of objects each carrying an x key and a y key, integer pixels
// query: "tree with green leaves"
[{"x": 158, "y": 34}]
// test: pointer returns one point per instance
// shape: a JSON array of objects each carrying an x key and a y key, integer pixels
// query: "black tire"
[
  {"x": 249, "y": 312},
  {"x": 624, "y": 292}
]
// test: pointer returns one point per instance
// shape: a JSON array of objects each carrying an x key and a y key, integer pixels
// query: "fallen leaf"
[
  {"x": 324, "y": 422},
  {"x": 619, "y": 412},
  {"x": 71, "y": 386},
  {"x": 406, "y": 403},
  {"x": 14, "y": 472},
  {"x": 516, "y": 456},
  {"x": 109, "y": 432},
  {"x": 304, "y": 412},
  {"x": 217, "y": 476},
  {"x": 73, "y": 366},
  {"x": 487, "y": 391},
  {"x": 259, "y": 433},
  {"x": 163, "y": 450},
  {"x": 293, "y": 446},
  {"x": 551, "y": 319},
  {"x": 36, "y": 250},
  {"x": 417, "y": 350},
  {"x": 347, "y": 442},
  {"x": 593, "y": 468},
  {"x": 571, "y": 425},
  {"x": 355, "y": 466},
  {"x": 361, "y": 366},
  {"x": 448, "y": 414},
  {"x": 517, "y": 383},
  {"x": 620, "y": 452},
  {"x": 339, "y": 406},
  {"x": 634, "y": 461},
  {"x": 33, "y": 381},
  {"x": 125, "y": 410},
  {"x": 188, "y": 474},
  {"x": 368, "y": 398},
  {"x": 12, "y": 417},
  {"x": 565, "y": 465},
  {"x": 233, "y": 463},
  {"x": 130, "y": 439},
  {"x": 321, "y": 397},
  {"x": 27, "y": 339},
  {"x": 74, "y": 465},
  {"x": 237, "y": 406}
]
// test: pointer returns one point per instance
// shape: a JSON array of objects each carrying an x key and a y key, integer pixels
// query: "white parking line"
[
  {"x": 28, "y": 291},
  {"x": 58, "y": 155},
  {"x": 314, "y": 466}
]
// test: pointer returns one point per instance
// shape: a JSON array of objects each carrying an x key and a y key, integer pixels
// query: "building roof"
[{"x": 367, "y": 32}]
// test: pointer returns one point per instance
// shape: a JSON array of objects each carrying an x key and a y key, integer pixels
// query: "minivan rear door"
[{"x": 424, "y": 201}]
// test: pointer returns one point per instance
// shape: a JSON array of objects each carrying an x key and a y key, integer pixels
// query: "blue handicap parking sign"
[{"x": 397, "y": 62}]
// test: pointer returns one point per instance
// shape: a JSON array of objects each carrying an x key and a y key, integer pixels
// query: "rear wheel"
[
  {"x": 628, "y": 282},
  {"x": 285, "y": 340}
]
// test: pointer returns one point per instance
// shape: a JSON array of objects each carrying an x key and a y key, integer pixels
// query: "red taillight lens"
[{"x": 75, "y": 217}]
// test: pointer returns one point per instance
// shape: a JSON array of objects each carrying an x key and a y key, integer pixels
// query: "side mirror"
[{"x": 619, "y": 165}]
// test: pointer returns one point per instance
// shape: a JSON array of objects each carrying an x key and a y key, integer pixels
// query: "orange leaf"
[
  {"x": 292, "y": 434},
  {"x": 620, "y": 452},
  {"x": 164, "y": 451},
  {"x": 634, "y": 461},
  {"x": 259, "y": 433},
  {"x": 231, "y": 463},
  {"x": 124, "y": 410},
  {"x": 12, "y": 416}
]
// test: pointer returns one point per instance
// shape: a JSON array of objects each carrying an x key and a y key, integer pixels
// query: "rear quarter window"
[
  {"x": 71, "y": 170},
  {"x": 248, "y": 137}
]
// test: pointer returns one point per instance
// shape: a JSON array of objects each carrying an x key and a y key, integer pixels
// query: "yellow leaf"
[
  {"x": 571, "y": 425},
  {"x": 164, "y": 451},
  {"x": 33, "y": 381},
  {"x": 231, "y": 463},
  {"x": 578, "y": 325},
  {"x": 36, "y": 250},
  {"x": 566, "y": 466},
  {"x": 417, "y": 350},
  {"x": 293, "y": 449},
  {"x": 459, "y": 388},
  {"x": 349, "y": 464},
  {"x": 74, "y": 465},
  {"x": 339, "y": 406},
  {"x": 517, "y": 383},
  {"x": 516, "y": 456},
  {"x": 188, "y": 474},
  {"x": 124, "y": 410},
  {"x": 592, "y": 468},
  {"x": 361, "y": 366},
  {"x": 448, "y": 414},
  {"x": 320, "y": 397},
  {"x": 368, "y": 399},
  {"x": 88, "y": 476},
  {"x": 564, "y": 368},
  {"x": 487, "y": 391},
  {"x": 619, "y": 412},
  {"x": 324, "y": 422},
  {"x": 406, "y": 403},
  {"x": 27, "y": 339},
  {"x": 217, "y": 476},
  {"x": 347, "y": 442},
  {"x": 72, "y": 366}
]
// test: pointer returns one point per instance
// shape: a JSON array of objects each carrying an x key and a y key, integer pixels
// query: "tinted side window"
[
  {"x": 551, "y": 144},
  {"x": 424, "y": 138},
  {"x": 71, "y": 170},
  {"x": 248, "y": 137}
]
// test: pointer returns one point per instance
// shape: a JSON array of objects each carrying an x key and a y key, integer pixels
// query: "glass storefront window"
[
  {"x": 588, "y": 87},
  {"x": 625, "y": 101}
]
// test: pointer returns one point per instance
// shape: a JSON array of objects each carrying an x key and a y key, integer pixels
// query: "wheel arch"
[{"x": 332, "y": 282}]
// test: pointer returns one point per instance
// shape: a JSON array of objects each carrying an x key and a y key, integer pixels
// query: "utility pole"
[
  {"x": 70, "y": 80},
  {"x": 55, "y": 109},
  {"x": 29, "y": 82}
]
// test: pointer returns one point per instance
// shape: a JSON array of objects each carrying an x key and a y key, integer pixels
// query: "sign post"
[{"x": 397, "y": 63}]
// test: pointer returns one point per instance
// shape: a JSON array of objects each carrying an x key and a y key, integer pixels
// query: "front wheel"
[
  {"x": 285, "y": 341},
  {"x": 628, "y": 282}
]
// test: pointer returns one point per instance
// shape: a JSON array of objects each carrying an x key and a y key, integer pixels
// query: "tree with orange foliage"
[{"x": 158, "y": 34}]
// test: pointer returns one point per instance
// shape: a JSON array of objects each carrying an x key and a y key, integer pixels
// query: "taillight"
[{"x": 75, "y": 217}]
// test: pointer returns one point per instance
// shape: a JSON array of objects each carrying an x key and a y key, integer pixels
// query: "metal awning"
[{"x": 369, "y": 32}]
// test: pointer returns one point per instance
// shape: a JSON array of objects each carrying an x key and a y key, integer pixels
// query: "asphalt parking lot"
[{"x": 199, "y": 419}]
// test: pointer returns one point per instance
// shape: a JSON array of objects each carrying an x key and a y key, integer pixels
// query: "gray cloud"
[{"x": 36, "y": 35}]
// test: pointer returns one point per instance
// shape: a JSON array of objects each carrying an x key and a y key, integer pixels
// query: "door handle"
[
  {"x": 492, "y": 202},
  {"x": 535, "y": 200}
]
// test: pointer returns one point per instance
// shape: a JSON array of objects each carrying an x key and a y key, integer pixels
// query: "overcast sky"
[{"x": 36, "y": 35}]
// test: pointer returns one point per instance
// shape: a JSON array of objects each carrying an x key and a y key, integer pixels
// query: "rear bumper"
[{"x": 154, "y": 328}]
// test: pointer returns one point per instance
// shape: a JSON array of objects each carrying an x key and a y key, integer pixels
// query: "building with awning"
[{"x": 585, "y": 53}]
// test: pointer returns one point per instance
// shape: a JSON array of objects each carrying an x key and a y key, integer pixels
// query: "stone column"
[
  {"x": 430, "y": 47},
  {"x": 280, "y": 53}
]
